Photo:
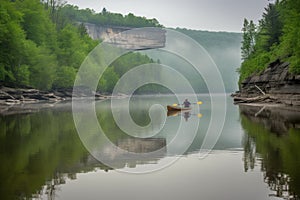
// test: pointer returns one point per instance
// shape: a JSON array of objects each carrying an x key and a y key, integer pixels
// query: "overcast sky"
[{"x": 213, "y": 15}]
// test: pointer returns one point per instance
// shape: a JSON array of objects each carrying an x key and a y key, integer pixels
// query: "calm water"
[{"x": 258, "y": 157}]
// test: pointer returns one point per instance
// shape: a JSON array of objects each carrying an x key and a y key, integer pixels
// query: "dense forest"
[
  {"x": 43, "y": 45},
  {"x": 275, "y": 37}
]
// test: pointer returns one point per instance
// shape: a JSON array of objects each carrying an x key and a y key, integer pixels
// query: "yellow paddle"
[{"x": 199, "y": 103}]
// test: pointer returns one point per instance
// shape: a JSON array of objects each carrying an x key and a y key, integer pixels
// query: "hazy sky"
[{"x": 214, "y": 15}]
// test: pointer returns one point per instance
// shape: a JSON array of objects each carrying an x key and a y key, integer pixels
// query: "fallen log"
[{"x": 253, "y": 99}]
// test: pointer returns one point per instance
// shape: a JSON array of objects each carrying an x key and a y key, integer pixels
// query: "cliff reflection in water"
[
  {"x": 273, "y": 136},
  {"x": 146, "y": 151}
]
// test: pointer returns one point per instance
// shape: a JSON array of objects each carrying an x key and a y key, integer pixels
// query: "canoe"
[{"x": 176, "y": 108}]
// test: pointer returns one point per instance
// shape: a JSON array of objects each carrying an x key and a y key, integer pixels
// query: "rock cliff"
[
  {"x": 276, "y": 81},
  {"x": 128, "y": 38}
]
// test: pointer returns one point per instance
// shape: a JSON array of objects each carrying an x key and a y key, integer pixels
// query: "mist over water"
[{"x": 224, "y": 52}]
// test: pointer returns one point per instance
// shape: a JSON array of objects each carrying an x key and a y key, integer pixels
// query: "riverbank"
[
  {"x": 275, "y": 85},
  {"x": 28, "y": 100},
  {"x": 10, "y": 96}
]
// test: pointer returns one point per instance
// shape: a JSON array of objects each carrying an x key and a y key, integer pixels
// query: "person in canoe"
[{"x": 186, "y": 103}]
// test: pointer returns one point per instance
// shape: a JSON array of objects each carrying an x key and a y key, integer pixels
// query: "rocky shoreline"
[
  {"x": 275, "y": 85},
  {"x": 28, "y": 100},
  {"x": 9, "y": 96}
]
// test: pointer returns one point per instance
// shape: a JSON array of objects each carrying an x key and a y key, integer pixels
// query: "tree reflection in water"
[
  {"x": 40, "y": 151},
  {"x": 273, "y": 137}
]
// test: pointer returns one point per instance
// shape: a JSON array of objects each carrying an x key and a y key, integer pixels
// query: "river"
[{"x": 256, "y": 156}]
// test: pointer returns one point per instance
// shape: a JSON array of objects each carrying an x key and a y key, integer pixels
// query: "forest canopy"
[
  {"x": 105, "y": 17},
  {"x": 275, "y": 37}
]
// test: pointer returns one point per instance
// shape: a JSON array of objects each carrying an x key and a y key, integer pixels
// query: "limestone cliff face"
[
  {"x": 276, "y": 81},
  {"x": 128, "y": 38}
]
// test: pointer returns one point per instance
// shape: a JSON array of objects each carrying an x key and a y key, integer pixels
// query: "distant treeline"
[
  {"x": 224, "y": 49},
  {"x": 106, "y": 18},
  {"x": 42, "y": 45},
  {"x": 275, "y": 37},
  {"x": 212, "y": 40}
]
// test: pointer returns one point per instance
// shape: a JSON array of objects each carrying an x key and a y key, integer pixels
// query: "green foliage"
[
  {"x": 254, "y": 65},
  {"x": 270, "y": 27},
  {"x": 42, "y": 45},
  {"x": 290, "y": 9},
  {"x": 277, "y": 36},
  {"x": 12, "y": 39},
  {"x": 36, "y": 22},
  {"x": 34, "y": 51},
  {"x": 27, "y": 143},
  {"x": 128, "y": 61},
  {"x": 23, "y": 75},
  {"x": 43, "y": 69},
  {"x": 280, "y": 154},
  {"x": 248, "y": 42},
  {"x": 108, "y": 80},
  {"x": 65, "y": 77},
  {"x": 72, "y": 48},
  {"x": 119, "y": 67},
  {"x": 104, "y": 18}
]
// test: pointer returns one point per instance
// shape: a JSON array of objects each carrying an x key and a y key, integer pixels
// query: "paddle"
[{"x": 198, "y": 103}]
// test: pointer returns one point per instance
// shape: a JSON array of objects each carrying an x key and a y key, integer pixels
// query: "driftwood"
[
  {"x": 254, "y": 99},
  {"x": 260, "y": 90},
  {"x": 260, "y": 111}
]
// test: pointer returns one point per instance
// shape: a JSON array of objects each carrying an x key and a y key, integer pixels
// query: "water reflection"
[
  {"x": 185, "y": 114},
  {"x": 273, "y": 136},
  {"x": 40, "y": 151},
  {"x": 35, "y": 148},
  {"x": 173, "y": 137},
  {"x": 130, "y": 152},
  {"x": 172, "y": 113}
]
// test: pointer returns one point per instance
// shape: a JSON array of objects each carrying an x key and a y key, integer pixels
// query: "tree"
[
  {"x": 249, "y": 34},
  {"x": 110, "y": 78},
  {"x": 277, "y": 37},
  {"x": 12, "y": 39},
  {"x": 43, "y": 68},
  {"x": 104, "y": 11},
  {"x": 270, "y": 27},
  {"x": 54, "y": 7},
  {"x": 290, "y": 41},
  {"x": 42, "y": 45},
  {"x": 65, "y": 77},
  {"x": 37, "y": 24}
]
